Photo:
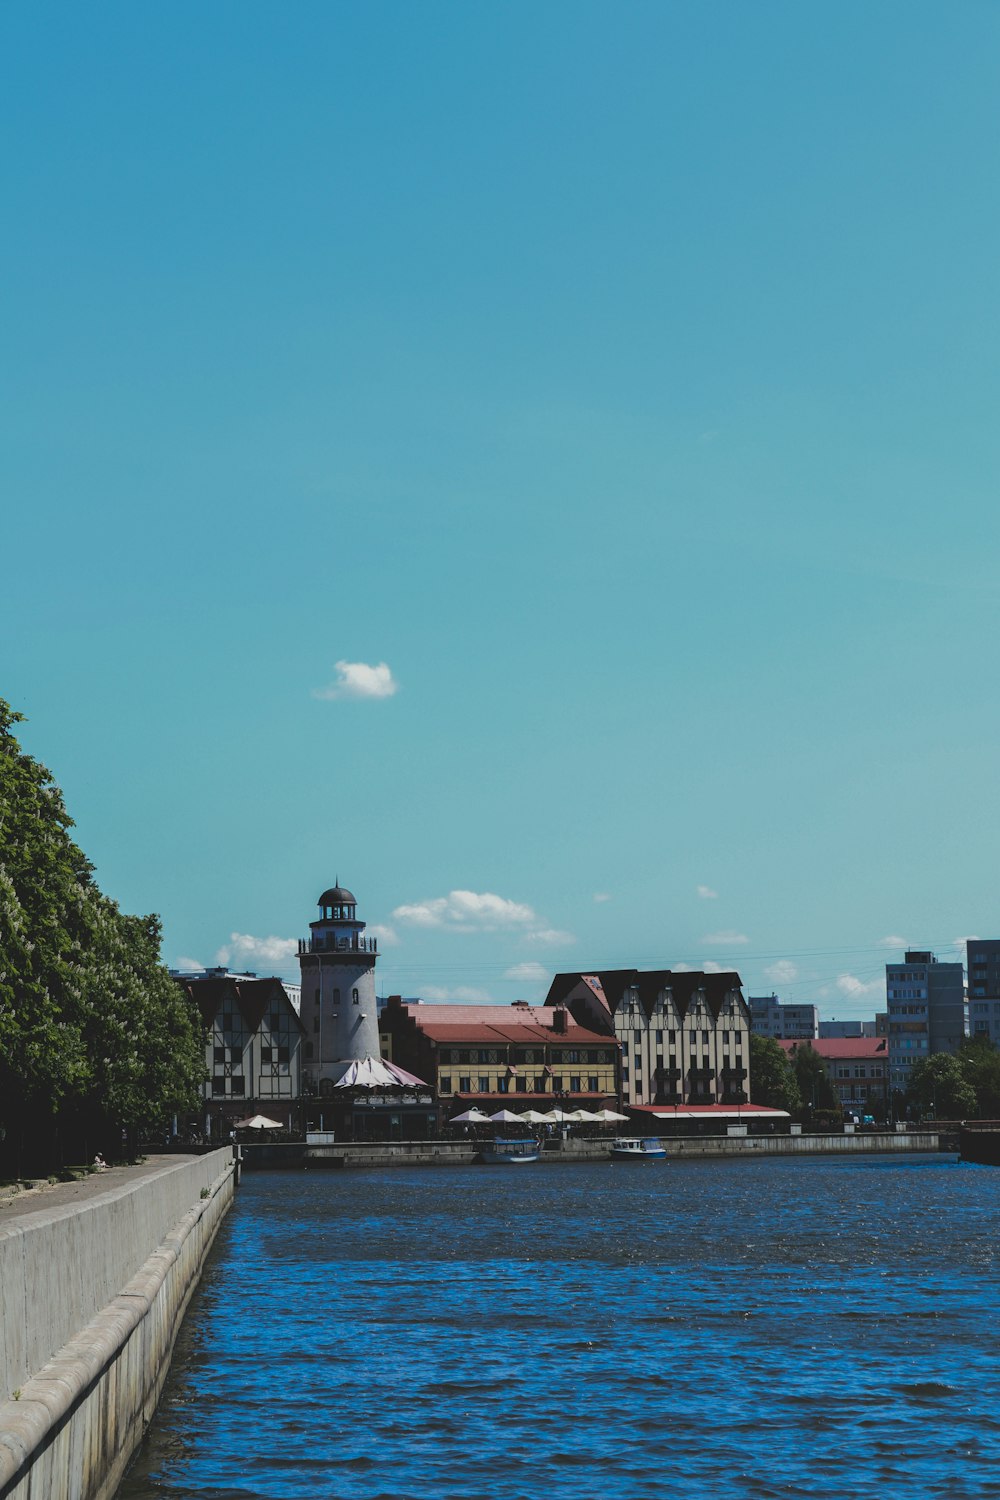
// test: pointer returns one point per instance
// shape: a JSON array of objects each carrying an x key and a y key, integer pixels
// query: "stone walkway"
[{"x": 59, "y": 1194}]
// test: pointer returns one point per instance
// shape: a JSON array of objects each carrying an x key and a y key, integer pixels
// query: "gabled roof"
[
  {"x": 253, "y": 998},
  {"x": 610, "y": 985},
  {"x": 523, "y": 1025}
]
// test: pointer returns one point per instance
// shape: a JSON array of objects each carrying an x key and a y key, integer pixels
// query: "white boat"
[
  {"x": 637, "y": 1148},
  {"x": 508, "y": 1153}
]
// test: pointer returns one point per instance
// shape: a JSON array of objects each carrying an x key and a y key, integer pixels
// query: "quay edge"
[{"x": 81, "y": 1370}]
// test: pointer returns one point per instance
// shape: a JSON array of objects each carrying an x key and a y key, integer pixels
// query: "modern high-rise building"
[
  {"x": 927, "y": 1011},
  {"x": 984, "y": 987},
  {"x": 771, "y": 1017}
]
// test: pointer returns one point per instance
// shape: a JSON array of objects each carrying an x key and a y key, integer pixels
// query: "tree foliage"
[
  {"x": 815, "y": 1087},
  {"x": 772, "y": 1078},
  {"x": 965, "y": 1086},
  {"x": 938, "y": 1087},
  {"x": 94, "y": 1035}
]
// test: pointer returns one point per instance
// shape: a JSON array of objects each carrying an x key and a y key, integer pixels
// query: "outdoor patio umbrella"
[
  {"x": 535, "y": 1117},
  {"x": 577, "y": 1116},
  {"x": 554, "y": 1116},
  {"x": 610, "y": 1114},
  {"x": 470, "y": 1117},
  {"x": 596, "y": 1118},
  {"x": 506, "y": 1117},
  {"x": 258, "y": 1122}
]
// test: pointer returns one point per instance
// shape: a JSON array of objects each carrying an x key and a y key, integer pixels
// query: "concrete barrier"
[{"x": 92, "y": 1298}]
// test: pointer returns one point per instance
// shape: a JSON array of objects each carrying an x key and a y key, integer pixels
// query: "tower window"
[
  {"x": 355, "y": 997},
  {"x": 336, "y": 997}
]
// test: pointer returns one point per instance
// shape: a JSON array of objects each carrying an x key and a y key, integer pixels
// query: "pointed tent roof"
[{"x": 375, "y": 1073}]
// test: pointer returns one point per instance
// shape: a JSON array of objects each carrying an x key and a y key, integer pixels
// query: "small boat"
[
  {"x": 637, "y": 1148},
  {"x": 508, "y": 1153}
]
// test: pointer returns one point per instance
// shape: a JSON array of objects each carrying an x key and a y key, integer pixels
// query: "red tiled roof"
[{"x": 834, "y": 1048}]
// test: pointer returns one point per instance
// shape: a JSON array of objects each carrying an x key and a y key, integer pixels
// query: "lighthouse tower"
[{"x": 338, "y": 989}]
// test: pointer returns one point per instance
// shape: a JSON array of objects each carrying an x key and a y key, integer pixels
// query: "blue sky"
[{"x": 621, "y": 380}]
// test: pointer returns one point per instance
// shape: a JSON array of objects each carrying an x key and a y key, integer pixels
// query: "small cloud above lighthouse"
[{"x": 356, "y": 679}]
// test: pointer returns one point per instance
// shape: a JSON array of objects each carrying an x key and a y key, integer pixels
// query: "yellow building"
[{"x": 483, "y": 1054}]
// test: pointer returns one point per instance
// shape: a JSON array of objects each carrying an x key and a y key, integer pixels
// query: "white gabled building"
[{"x": 684, "y": 1035}]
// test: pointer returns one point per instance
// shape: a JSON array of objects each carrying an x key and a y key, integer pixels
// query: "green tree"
[
  {"x": 815, "y": 1088},
  {"x": 979, "y": 1060},
  {"x": 772, "y": 1078},
  {"x": 93, "y": 1032},
  {"x": 938, "y": 1088}
]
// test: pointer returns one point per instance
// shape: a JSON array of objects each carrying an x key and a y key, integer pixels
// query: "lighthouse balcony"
[{"x": 331, "y": 943}]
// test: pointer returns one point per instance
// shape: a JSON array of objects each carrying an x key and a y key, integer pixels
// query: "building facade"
[
  {"x": 858, "y": 1069},
  {"x": 684, "y": 1036},
  {"x": 927, "y": 1012},
  {"x": 771, "y": 1017},
  {"x": 253, "y": 1048},
  {"x": 517, "y": 1056},
  {"x": 983, "y": 956}
]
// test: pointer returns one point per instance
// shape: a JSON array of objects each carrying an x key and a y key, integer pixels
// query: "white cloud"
[
  {"x": 782, "y": 972},
  {"x": 244, "y": 949},
  {"x": 467, "y": 911},
  {"x": 706, "y": 893},
  {"x": 893, "y": 942},
  {"x": 387, "y": 936},
  {"x": 356, "y": 679},
  {"x": 727, "y": 939},
  {"x": 859, "y": 989},
  {"x": 711, "y": 967},
  {"x": 528, "y": 973},
  {"x": 602, "y": 896},
  {"x": 973, "y": 937},
  {"x": 189, "y": 963},
  {"x": 455, "y": 994},
  {"x": 682, "y": 968},
  {"x": 550, "y": 937}
]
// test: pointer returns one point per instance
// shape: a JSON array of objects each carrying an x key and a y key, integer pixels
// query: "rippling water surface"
[{"x": 743, "y": 1329}]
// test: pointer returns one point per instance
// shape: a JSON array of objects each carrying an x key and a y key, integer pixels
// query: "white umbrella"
[
  {"x": 577, "y": 1116},
  {"x": 589, "y": 1114},
  {"x": 470, "y": 1117},
  {"x": 535, "y": 1117},
  {"x": 506, "y": 1117},
  {"x": 610, "y": 1114},
  {"x": 554, "y": 1116},
  {"x": 259, "y": 1122}
]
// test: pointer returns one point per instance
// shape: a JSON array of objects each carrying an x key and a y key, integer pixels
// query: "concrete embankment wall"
[
  {"x": 91, "y": 1298},
  {"x": 579, "y": 1149}
]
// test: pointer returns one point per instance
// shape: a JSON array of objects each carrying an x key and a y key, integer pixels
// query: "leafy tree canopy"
[
  {"x": 772, "y": 1078},
  {"x": 92, "y": 1029},
  {"x": 938, "y": 1086}
]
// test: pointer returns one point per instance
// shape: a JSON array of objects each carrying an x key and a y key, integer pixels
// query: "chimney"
[{"x": 560, "y": 1020}]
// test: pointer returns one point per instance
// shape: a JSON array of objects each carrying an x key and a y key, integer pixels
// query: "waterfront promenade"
[{"x": 95, "y": 1277}]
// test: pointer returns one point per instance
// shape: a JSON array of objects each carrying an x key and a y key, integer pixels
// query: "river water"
[{"x": 720, "y": 1329}]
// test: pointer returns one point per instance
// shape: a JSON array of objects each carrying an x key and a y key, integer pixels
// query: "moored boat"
[
  {"x": 637, "y": 1148},
  {"x": 508, "y": 1153}
]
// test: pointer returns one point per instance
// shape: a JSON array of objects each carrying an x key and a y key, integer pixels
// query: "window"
[
  {"x": 557, "y": 1084},
  {"x": 218, "y": 1085},
  {"x": 659, "y": 1038},
  {"x": 637, "y": 1035},
  {"x": 465, "y": 1085},
  {"x": 309, "y": 1049},
  {"x": 336, "y": 997},
  {"x": 239, "y": 1085},
  {"x": 522, "y": 1085},
  {"x": 463, "y": 1056},
  {"x": 444, "y": 1085},
  {"x": 315, "y": 1023},
  {"x": 574, "y": 1084},
  {"x": 484, "y": 1083},
  {"x": 592, "y": 1084},
  {"x": 540, "y": 1083},
  {"x": 355, "y": 997},
  {"x": 219, "y": 1054},
  {"x": 445, "y": 1055},
  {"x": 284, "y": 1054},
  {"x": 266, "y": 1054}
]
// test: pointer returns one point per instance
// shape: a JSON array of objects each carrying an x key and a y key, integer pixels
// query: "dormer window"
[{"x": 355, "y": 997}]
